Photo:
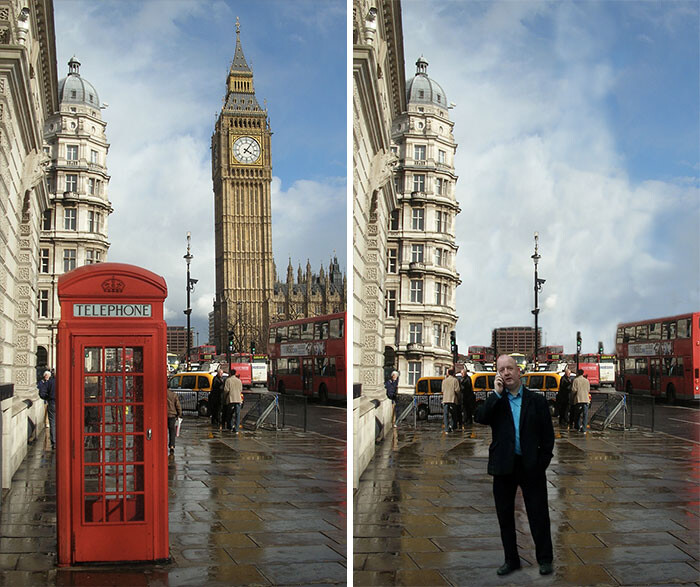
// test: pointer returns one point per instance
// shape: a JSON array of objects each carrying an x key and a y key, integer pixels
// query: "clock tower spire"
[{"x": 241, "y": 175}]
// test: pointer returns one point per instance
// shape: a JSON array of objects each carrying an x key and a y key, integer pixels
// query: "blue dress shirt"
[{"x": 515, "y": 402}]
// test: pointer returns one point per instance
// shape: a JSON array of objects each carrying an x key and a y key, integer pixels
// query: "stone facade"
[
  {"x": 242, "y": 174},
  {"x": 313, "y": 294},
  {"x": 378, "y": 98},
  {"x": 422, "y": 278},
  {"x": 74, "y": 228},
  {"x": 28, "y": 96}
]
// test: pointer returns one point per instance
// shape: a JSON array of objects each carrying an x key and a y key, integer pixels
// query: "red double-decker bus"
[
  {"x": 591, "y": 368},
  {"x": 243, "y": 364},
  {"x": 480, "y": 356},
  {"x": 307, "y": 356},
  {"x": 203, "y": 354},
  {"x": 660, "y": 357}
]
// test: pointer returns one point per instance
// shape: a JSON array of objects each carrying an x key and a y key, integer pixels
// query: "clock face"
[{"x": 246, "y": 150}]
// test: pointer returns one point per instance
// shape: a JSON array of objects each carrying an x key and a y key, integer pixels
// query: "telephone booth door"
[{"x": 112, "y": 440}]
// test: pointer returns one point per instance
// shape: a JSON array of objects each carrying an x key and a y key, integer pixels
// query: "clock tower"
[{"x": 241, "y": 174}]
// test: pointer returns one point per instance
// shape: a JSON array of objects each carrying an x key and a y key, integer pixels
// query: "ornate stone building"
[
  {"x": 28, "y": 96},
  {"x": 422, "y": 278},
  {"x": 313, "y": 294},
  {"x": 379, "y": 97},
  {"x": 74, "y": 228},
  {"x": 241, "y": 174}
]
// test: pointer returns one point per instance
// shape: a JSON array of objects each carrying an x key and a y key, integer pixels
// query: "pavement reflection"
[
  {"x": 624, "y": 508},
  {"x": 260, "y": 508}
]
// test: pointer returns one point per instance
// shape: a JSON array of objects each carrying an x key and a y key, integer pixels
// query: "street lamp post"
[
  {"x": 538, "y": 288},
  {"x": 190, "y": 287}
]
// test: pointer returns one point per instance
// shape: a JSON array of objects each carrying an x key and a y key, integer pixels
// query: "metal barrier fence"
[
  {"x": 260, "y": 409},
  {"x": 621, "y": 411}
]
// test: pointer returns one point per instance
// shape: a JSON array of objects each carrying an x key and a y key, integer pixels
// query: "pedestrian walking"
[
  {"x": 522, "y": 441},
  {"x": 217, "y": 389},
  {"x": 232, "y": 399},
  {"x": 468, "y": 398},
  {"x": 450, "y": 392},
  {"x": 174, "y": 412},
  {"x": 563, "y": 397},
  {"x": 581, "y": 392},
  {"x": 47, "y": 392},
  {"x": 392, "y": 392}
]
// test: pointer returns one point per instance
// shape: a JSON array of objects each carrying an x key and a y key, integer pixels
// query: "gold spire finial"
[{"x": 238, "y": 26}]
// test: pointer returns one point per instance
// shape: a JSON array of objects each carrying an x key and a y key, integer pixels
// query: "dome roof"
[
  {"x": 75, "y": 89},
  {"x": 421, "y": 89}
]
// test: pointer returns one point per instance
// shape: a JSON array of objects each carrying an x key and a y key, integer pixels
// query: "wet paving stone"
[
  {"x": 263, "y": 508},
  {"x": 624, "y": 508}
]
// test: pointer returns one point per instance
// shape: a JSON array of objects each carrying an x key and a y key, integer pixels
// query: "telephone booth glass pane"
[{"x": 113, "y": 435}]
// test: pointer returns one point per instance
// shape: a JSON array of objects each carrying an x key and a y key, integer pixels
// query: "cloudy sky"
[
  {"x": 162, "y": 66},
  {"x": 578, "y": 120}
]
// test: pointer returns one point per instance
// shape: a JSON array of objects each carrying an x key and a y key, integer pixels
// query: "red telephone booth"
[{"x": 111, "y": 422}]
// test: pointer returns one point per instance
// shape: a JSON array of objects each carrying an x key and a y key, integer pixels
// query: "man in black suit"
[{"x": 522, "y": 440}]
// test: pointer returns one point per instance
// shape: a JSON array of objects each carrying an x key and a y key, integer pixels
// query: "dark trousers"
[
  {"x": 51, "y": 409},
  {"x": 171, "y": 431},
  {"x": 232, "y": 416},
  {"x": 457, "y": 416},
  {"x": 533, "y": 484}
]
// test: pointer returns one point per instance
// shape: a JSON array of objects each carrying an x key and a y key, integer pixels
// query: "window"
[
  {"x": 441, "y": 294},
  {"x": 437, "y": 331},
  {"x": 413, "y": 372},
  {"x": 439, "y": 183},
  {"x": 70, "y": 216},
  {"x": 394, "y": 220},
  {"x": 71, "y": 182},
  {"x": 92, "y": 256},
  {"x": 321, "y": 331},
  {"x": 91, "y": 186},
  {"x": 307, "y": 331},
  {"x": 391, "y": 303},
  {"x": 94, "y": 221},
  {"x": 337, "y": 328},
  {"x": 417, "y": 219},
  {"x": 72, "y": 152},
  {"x": 416, "y": 332},
  {"x": 640, "y": 366},
  {"x": 93, "y": 156},
  {"x": 44, "y": 260},
  {"x": 294, "y": 332},
  {"x": 684, "y": 327},
  {"x": 441, "y": 156},
  {"x": 69, "y": 260},
  {"x": 441, "y": 221},
  {"x": 419, "y": 182},
  {"x": 668, "y": 331},
  {"x": 392, "y": 260},
  {"x": 417, "y": 253},
  {"x": 417, "y": 291},
  {"x": 439, "y": 258},
  {"x": 397, "y": 183},
  {"x": 43, "y": 306},
  {"x": 654, "y": 331},
  {"x": 419, "y": 152}
]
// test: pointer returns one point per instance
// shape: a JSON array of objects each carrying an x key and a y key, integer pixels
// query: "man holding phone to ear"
[{"x": 522, "y": 441}]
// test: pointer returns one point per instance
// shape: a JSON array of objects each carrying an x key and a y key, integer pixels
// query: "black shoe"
[
  {"x": 545, "y": 568},
  {"x": 507, "y": 568}
]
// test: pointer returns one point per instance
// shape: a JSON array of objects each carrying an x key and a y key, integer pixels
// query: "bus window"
[
  {"x": 642, "y": 332},
  {"x": 655, "y": 331},
  {"x": 282, "y": 334},
  {"x": 321, "y": 331},
  {"x": 337, "y": 328},
  {"x": 620, "y": 334},
  {"x": 640, "y": 366},
  {"x": 684, "y": 328},
  {"x": 629, "y": 334},
  {"x": 294, "y": 332},
  {"x": 327, "y": 367},
  {"x": 293, "y": 366},
  {"x": 273, "y": 333},
  {"x": 307, "y": 331},
  {"x": 668, "y": 331},
  {"x": 628, "y": 365}
]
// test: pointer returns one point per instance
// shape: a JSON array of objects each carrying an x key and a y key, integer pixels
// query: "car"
[
  {"x": 428, "y": 390},
  {"x": 545, "y": 382},
  {"x": 193, "y": 388}
]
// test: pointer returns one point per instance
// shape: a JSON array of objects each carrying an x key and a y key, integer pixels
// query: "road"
[
  {"x": 329, "y": 420},
  {"x": 680, "y": 420}
]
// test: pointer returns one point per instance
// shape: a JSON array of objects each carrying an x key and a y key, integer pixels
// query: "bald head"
[{"x": 508, "y": 369}]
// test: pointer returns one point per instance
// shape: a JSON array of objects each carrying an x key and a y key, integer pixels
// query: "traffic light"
[
  {"x": 230, "y": 341},
  {"x": 252, "y": 347},
  {"x": 578, "y": 341},
  {"x": 600, "y": 347},
  {"x": 453, "y": 341}
]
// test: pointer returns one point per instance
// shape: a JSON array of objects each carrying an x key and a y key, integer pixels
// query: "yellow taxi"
[
  {"x": 429, "y": 392},
  {"x": 193, "y": 390}
]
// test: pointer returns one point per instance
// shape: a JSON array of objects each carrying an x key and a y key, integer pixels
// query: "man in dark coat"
[
  {"x": 217, "y": 388},
  {"x": 468, "y": 398},
  {"x": 522, "y": 441},
  {"x": 563, "y": 398},
  {"x": 47, "y": 392}
]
